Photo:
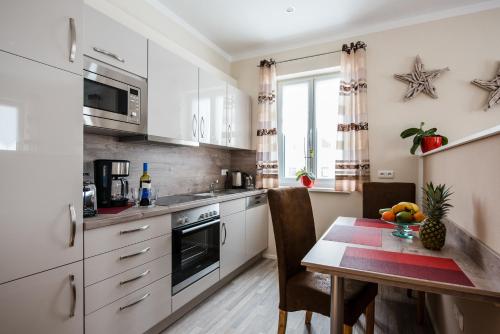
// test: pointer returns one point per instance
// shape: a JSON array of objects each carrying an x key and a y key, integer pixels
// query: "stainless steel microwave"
[{"x": 113, "y": 99}]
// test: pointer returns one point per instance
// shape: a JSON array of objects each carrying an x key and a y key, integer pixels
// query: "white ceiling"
[{"x": 245, "y": 28}]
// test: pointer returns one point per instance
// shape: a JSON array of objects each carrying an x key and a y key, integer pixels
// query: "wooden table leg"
[{"x": 336, "y": 304}]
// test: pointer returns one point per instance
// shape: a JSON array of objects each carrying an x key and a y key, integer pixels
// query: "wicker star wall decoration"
[
  {"x": 493, "y": 86},
  {"x": 420, "y": 80}
]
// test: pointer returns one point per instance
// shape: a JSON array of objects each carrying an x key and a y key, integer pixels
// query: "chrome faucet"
[{"x": 212, "y": 185}]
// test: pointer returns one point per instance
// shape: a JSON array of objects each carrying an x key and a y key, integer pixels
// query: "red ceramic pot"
[
  {"x": 306, "y": 181},
  {"x": 431, "y": 143}
]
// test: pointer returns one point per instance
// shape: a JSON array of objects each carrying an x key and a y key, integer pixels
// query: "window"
[{"x": 307, "y": 127}]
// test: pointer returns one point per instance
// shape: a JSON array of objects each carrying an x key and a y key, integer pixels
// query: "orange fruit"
[
  {"x": 389, "y": 216},
  {"x": 419, "y": 216}
]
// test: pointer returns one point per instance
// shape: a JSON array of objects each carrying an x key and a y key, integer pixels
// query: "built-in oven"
[
  {"x": 112, "y": 98},
  {"x": 195, "y": 245}
]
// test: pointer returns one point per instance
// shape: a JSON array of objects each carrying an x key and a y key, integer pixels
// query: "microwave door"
[{"x": 105, "y": 98}]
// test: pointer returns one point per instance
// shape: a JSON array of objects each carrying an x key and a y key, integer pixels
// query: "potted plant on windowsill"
[
  {"x": 426, "y": 139},
  {"x": 306, "y": 178}
]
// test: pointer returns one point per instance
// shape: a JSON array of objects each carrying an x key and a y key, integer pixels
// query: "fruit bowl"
[{"x": 402, "y": 229}]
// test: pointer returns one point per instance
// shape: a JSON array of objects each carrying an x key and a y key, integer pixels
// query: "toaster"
[{"x": 89, "y": 199}]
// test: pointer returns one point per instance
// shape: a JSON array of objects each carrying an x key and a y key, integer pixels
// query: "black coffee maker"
[{"x": 110, "y": 177}]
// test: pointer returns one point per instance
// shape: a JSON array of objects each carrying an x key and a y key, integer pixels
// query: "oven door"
[
  {"x": 195, "y": 252},
  {"x": 107, "y": 98}
]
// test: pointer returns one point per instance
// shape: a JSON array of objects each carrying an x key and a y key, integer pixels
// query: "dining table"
[{"x": 366, "y": 250}]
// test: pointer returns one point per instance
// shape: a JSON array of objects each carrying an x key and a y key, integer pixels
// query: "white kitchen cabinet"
[
  {"x": 232, "y": 243},
  {"x": 113, "y": 43},
  {"x": 212, "y": 96},
  {"x": 134, "y": 313},
  {"x": 49, "y": 302},
  {"x": 41, "y": 140},
  {"x": 256, "y": 230},
  {"x": 239, "y": 122},
  {"x": 45, "y": 31},
  {"x": 172, "y": 96}
]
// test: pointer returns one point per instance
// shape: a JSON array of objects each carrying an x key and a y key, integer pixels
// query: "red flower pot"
[
  {"x": 306, "y": 181},
  {"x": 431, "y": 143}
]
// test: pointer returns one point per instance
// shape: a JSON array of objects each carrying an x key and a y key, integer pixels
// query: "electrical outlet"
[
  {"x": 223, "y": 171},
  {"x": 459, "y": 317},
  {"x": 385, "y": 174}
]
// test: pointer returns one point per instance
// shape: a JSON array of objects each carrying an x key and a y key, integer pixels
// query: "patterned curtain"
[
  {"x": 267, "y": 134},
  {"x": 352, "y": 168}
]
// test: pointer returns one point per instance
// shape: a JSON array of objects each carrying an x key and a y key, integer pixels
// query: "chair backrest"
[
  {"x": 293, "y": 225},
  {"x": 378, "y": 195}
]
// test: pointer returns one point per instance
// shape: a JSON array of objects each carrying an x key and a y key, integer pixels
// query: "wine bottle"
[{"x": 145, "y": 185}]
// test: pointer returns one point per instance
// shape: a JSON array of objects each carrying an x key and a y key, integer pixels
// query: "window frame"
[{"x": 312, "y": 133}]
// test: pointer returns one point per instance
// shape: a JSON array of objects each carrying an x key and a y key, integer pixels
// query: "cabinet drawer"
[
  {"x": 135, "y": 313},
  {"x": 100, "y": 267},
  {"x": 116, "y": 287},
  {"x": 101, "y": 240},
  {"x": 192, "y": 291},
  {"x": 230, "y": 207},
  {"x": 111, "y": 42}
]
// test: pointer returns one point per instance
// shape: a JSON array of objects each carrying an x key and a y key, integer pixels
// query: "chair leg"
[
  {"x": 347, "y": 329},
  {"x": 370, "y": 318},
  {"x": 309, "y": 315},
  {"x": 420, "y": 307},
  {"x": 282, "y": 322}
]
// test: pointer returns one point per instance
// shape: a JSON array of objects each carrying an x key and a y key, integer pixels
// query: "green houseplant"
[
  {"x": 305, "y": 177},
  {"x": 436, "y": 206},
  {"x": 426, "y": 139}
]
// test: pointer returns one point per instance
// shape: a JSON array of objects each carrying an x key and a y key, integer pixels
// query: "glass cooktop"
[{"x": 178, "y": 199}]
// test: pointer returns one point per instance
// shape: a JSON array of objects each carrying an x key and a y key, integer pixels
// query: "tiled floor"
[{"x": 249, "y": 304}]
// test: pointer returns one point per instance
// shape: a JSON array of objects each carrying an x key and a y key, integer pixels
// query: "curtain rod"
[{"x": 305, "y": 57}]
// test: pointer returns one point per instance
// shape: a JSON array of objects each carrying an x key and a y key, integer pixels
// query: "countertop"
[{"x": 135, "y": 213}]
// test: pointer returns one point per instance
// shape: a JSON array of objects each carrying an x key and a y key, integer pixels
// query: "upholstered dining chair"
[
  {"x": 295, "y": 235},
  {"x": 377, "y": 195}
]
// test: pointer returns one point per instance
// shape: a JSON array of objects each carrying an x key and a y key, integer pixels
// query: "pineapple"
[{"x": 436, "y": 206}]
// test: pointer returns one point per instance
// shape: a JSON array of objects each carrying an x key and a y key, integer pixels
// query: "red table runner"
[
  {"x": 355, "y": 235},
  {"x": 410, "y": 265},
  {"x": 367, "y": 222},
  {"x": 113, "y": 210}
]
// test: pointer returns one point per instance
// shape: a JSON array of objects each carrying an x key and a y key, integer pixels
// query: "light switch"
[{"x": 223, "y": 171}]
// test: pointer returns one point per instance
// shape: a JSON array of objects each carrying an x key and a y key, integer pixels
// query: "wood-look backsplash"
[{"x": 174, "y": 169}]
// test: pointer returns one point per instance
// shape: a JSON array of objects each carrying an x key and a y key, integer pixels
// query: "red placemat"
[
  {"x": 355, "y": 235},
  {"x": 367, "y": 222},
  {"x": 113, "y": 210},
  {"x": 410, "y": 265}
]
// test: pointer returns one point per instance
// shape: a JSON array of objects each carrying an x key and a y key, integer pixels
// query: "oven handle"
[{"x": 199, "y": 227}]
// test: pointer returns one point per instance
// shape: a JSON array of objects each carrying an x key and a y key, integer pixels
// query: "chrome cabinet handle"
[
  {"x": 73, "y": 295},
  {"x": 135, "y": 278},
  {"x": 225, "y": 233},
  {"x": 195, "y": 125},
  {"x": 109, "y": 54},
  {"x": 229, "y": 133},
  {"x": 72, "y": 215},
  {"x": 145, "y": 250},
  {"x": 72, "y": 33},
  {"x": 136, "y": 302},
  {"x": 142, "y": 228},
  {"x": 202, "y": 127}
]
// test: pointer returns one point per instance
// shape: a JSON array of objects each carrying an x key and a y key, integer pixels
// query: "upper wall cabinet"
[
  {"x": 110, "y": 42},
  {"x": 239, "y": 123},
  {"x": 48, "y": 31},
  {"x": 172, "y": 96},
  {"x": 212, "y": 98}
]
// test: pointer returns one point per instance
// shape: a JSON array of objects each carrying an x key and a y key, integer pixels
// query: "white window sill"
[{"x": 319, "y": 189}]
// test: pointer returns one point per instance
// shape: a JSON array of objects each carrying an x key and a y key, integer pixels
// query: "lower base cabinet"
[
  {"x": 232, "y": 243},
  {"x": 135, "y": 313},
  {"x": 256, "y": 230},
  {"x": 48, "y": 302}
]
